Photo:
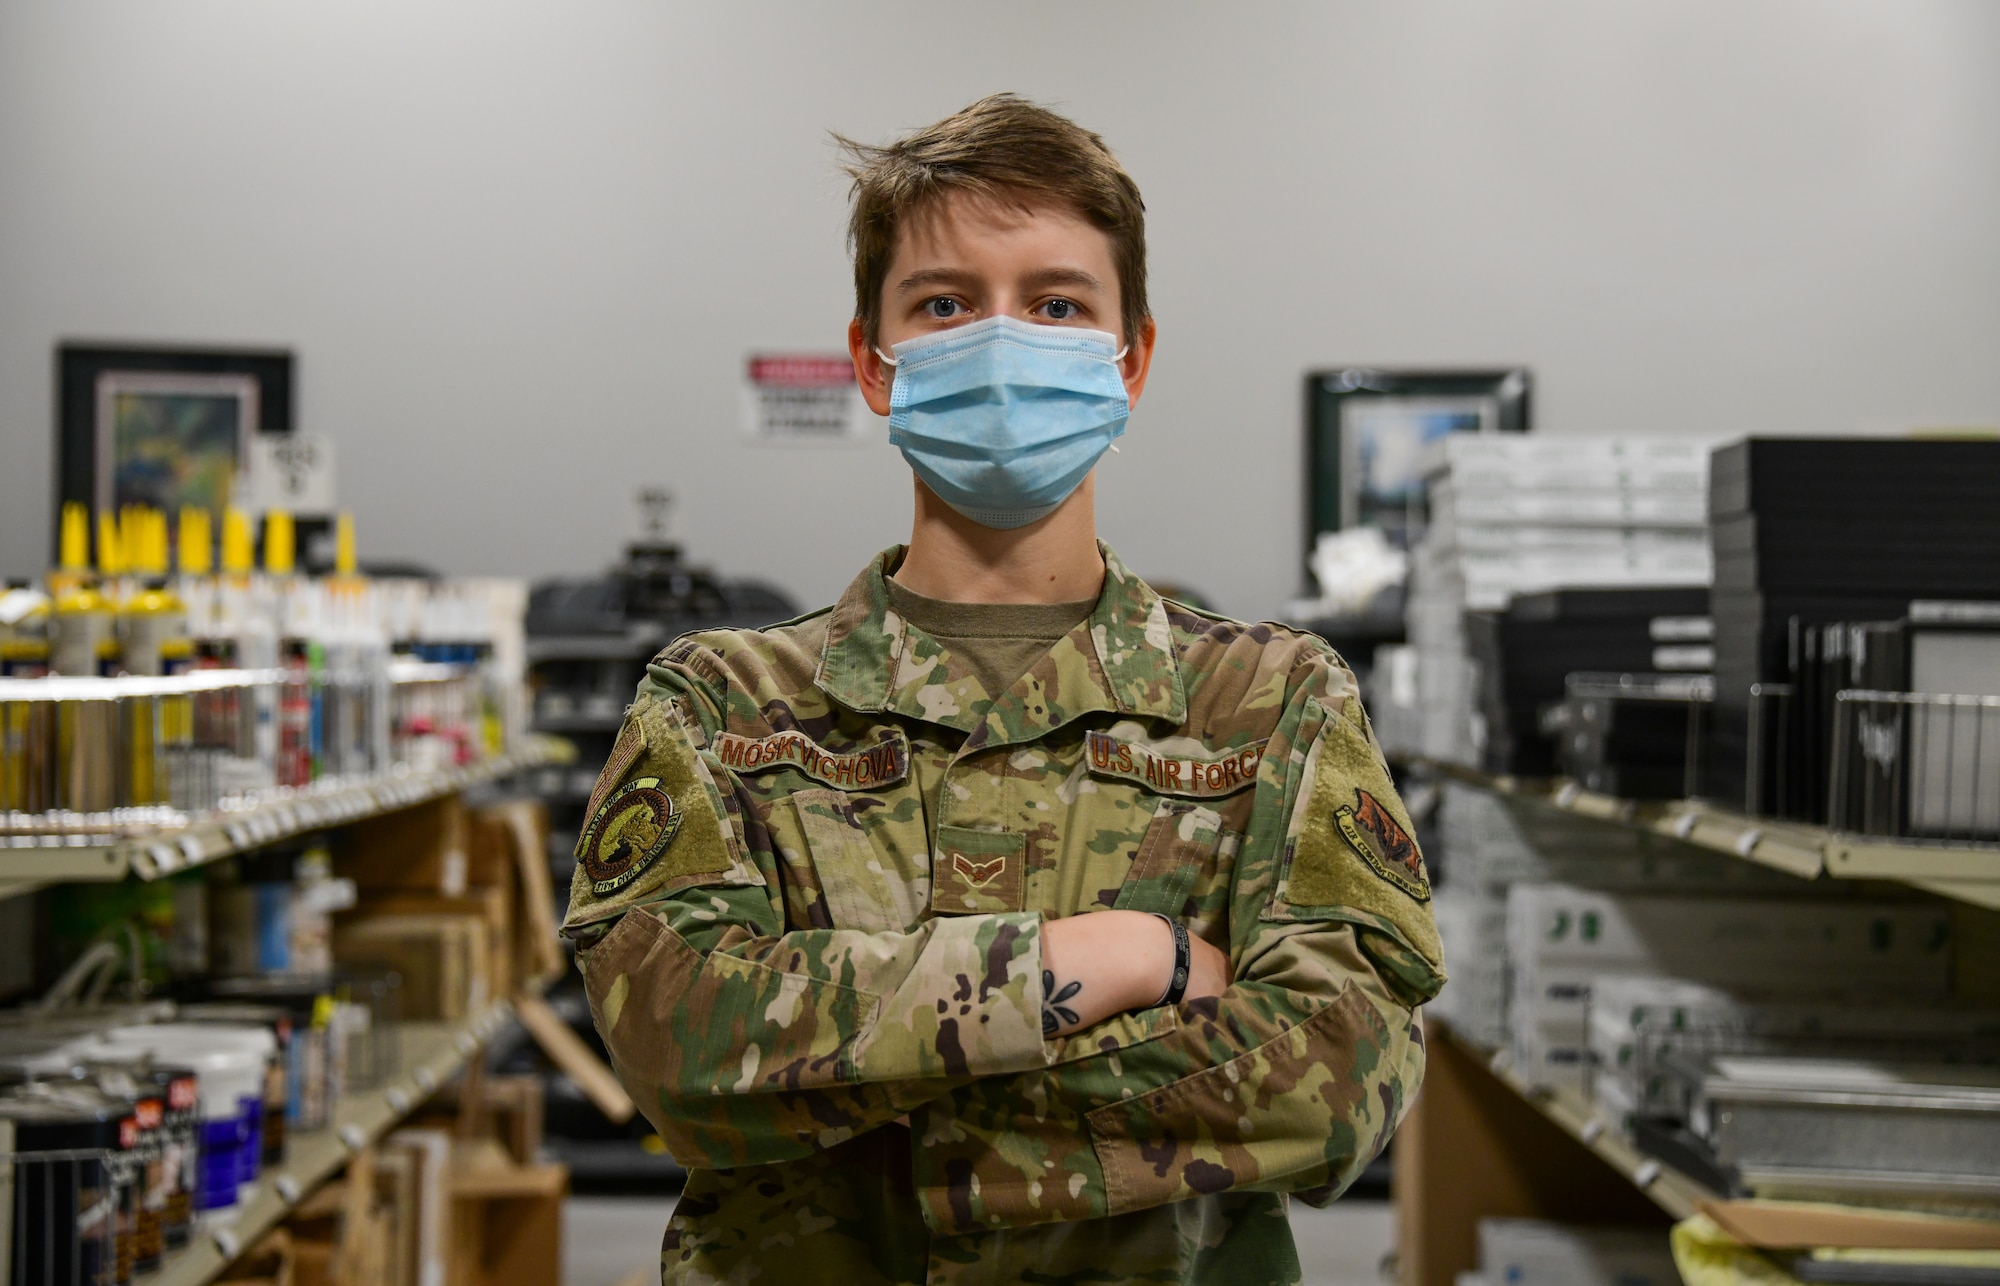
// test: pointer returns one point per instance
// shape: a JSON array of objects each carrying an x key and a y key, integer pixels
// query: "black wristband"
[{"x": 1183, "y": 963}]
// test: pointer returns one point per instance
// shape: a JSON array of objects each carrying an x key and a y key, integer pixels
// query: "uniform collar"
[{"x": 1121, "y": 658}]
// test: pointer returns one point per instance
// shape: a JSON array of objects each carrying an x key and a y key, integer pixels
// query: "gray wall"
[{"x": 521, "y": 248}]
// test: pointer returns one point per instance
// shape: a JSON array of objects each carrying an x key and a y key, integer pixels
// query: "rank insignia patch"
[
  {"x": 627, "y": 834},
  {"x": 1383, "y": 843},
  {"x": 978, "y": 873}
]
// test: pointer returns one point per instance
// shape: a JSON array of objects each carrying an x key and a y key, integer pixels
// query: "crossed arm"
[
  {"x": 747, "y": 1043},
  {"x": 1097, "y": 966}
]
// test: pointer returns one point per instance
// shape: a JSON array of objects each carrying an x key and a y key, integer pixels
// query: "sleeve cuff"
[{"x": 971, "y": 1006}]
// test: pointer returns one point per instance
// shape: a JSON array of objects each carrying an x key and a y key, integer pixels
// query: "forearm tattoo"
[{"x": 1055, "y": 1012}]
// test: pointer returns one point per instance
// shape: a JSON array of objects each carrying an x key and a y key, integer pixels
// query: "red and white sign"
[{"x": 803, "y": 398}]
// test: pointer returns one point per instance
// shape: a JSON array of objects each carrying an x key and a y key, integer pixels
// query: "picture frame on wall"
[
  {"x": 1368, "y": 431},
  {"x": 170, "y": 439},
  {"x": 166, "y": 427}
]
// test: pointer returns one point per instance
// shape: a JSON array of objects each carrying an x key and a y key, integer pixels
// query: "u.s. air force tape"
[
  {"x": 882, "y": 764},
  {"x": 1204, "y": 776}
]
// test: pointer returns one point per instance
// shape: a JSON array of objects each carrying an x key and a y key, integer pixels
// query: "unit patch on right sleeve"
[{"x": 653, "y": 825}]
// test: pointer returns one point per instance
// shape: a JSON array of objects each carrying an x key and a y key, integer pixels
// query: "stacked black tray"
[
  {"x": 1810, "y": 532},
  {"x": 1526, "y": 653}
]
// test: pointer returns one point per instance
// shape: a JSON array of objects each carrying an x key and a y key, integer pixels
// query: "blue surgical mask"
[{"x": 1003, "y": 419}]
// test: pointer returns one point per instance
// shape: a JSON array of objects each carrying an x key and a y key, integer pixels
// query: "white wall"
[{"x": 521, "y": 248}]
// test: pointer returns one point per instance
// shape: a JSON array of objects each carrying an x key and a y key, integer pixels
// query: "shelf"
[
  {"x": 433, "y": 1053},
  {"x": 1963, "y": 873},
  {"x": 161, "y": 852},
  {"x": 1666, "y": 1187}
]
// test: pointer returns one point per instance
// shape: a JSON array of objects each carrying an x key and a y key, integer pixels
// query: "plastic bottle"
[
  {"x": 24, "y": 631},
  {"x": 81, "y": 619},
  {"x": 152, "y": 623}
]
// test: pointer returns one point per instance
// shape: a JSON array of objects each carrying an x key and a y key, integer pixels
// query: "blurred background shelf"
[
  {"x": 156, "y": 852},
  {"x": 1966, "y": 873}
]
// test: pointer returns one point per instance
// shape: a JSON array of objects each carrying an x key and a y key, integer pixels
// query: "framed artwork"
[
  {"x": 1367, "y": 434},
  {"x": 163, "y": 427}
]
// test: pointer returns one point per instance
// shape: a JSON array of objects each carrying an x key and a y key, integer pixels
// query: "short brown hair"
[{"x": 1001, "y": 146}]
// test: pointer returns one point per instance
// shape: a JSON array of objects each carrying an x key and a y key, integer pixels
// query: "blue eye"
[
  {"x": 943, "y": 308},
  {"x": 1060, "y": 309}
]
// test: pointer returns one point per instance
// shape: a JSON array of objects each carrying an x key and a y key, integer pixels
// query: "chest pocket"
[
  {"x": 861, "y": 880},
  {"x": 1180, "y": 848},
  {"x": 1199, "y": 798}
]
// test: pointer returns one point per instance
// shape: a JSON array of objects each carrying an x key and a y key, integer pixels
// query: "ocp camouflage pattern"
[{"x": 845, "y": 931}]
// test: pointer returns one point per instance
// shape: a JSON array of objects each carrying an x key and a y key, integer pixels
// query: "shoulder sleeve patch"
[
  {"x": 654, "y": 822},
  {"x": 1351, "y": 853}
]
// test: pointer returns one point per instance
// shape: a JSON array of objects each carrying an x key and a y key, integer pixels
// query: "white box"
[{"x": 1531, "y": 1252}]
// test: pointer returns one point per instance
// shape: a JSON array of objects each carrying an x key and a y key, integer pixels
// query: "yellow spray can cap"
[
  {"x": 196, "y": 551},
  {"x": 235, "y": 542},
  {"x": 343, "y": 544},
  {"x": 110, "y": 555},
  {"x": 148, "y": 554},
  {"x": 279, "y": 552},
  {"x": 75, "y": 537}
]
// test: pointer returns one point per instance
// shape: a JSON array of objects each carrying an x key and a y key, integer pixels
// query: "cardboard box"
[
  {"x": 507, "y": 1108},
  {"x": 424, "y": 848},
  {"x": 492, "y": 905},
  {"x": 510, "y": 843},
  {"x": 444, "y": 960}
]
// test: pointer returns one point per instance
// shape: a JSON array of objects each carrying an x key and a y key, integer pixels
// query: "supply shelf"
[
  {"x": 155, "y": 852},
  {"x": 1963, "y": 873},
  {"x": 1672, "y": 1191},
  {"x": 433, "y": 1053}
]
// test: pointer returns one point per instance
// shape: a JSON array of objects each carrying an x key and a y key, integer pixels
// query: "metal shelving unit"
[
  {"x": 151, "y": 853},
  {"x": 1965, "y": 873},
  {"x": 430, "y": 1053}
]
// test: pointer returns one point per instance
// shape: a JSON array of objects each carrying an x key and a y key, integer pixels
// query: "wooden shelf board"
[{"x": 1669, "y": 1189}]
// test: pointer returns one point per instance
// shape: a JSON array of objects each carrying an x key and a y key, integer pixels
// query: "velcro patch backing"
[
  {"x": 1351, "y": 842},
  {"x": 654, "y": 822}
]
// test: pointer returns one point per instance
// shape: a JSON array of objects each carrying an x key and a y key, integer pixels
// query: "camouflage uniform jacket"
[{"x": 809, "y": 899}]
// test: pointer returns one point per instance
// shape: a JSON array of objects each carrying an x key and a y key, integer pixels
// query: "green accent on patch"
[{"x": 1333, "y": 869}]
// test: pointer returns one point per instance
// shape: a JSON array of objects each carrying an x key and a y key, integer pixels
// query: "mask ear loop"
[{"x": 1119, "y": 357}]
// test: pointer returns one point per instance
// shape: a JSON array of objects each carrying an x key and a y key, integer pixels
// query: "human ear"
[
  {"x": 1138, "y": 361},
  {"x": 870, "y": 371}
]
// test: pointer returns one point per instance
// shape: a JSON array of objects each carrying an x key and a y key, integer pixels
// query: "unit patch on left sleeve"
[
  {"x": 1349, "y": 853},
  {"x": 627, "y": 834}
]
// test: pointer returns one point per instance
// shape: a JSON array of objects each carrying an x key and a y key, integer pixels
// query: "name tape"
[
  {"x": 879, "y": 765},
  {"x": 1223, "y": 774}
]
